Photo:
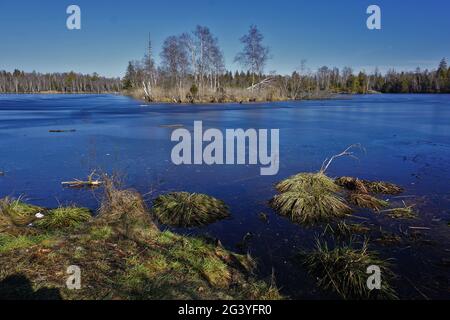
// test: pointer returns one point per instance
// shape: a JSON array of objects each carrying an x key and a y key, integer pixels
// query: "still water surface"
[{"x": 406, "y": 140}]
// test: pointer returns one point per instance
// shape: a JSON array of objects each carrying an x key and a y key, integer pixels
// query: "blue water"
[{"x": 406, "y": 140}]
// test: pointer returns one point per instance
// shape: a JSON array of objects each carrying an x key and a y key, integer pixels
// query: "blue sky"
[{"x": 33, "y": 34}]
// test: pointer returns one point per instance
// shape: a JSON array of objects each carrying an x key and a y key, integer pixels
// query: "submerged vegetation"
[
  {"x": 122, "y": 255},
  {"x": 343, "y": 270},
  {"x": 183, "y": 209}
]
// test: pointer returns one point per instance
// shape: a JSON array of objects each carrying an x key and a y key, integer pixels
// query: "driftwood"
[
  {"x": 266, "y": 81},
  {"x": 90, "y": 183}
]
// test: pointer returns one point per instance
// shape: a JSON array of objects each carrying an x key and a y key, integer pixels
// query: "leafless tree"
[{"x": 254, "y": 55}]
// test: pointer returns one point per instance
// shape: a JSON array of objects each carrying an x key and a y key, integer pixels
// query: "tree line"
[
  {"x": 192, "y": 64},
  {"x": 32, "y": 82}
]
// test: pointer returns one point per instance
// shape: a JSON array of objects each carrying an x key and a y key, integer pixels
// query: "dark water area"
[{"x": 406, "y": 140}]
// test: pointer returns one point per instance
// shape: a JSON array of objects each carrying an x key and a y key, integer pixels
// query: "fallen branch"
[{"x": 91, "y": 182}]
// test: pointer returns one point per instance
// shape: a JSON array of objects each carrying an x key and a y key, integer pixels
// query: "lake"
[{"x": 406, "y": 140}]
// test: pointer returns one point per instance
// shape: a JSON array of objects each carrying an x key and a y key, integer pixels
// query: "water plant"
[
  {"x": 183, "y": 209},
  {"x": 343, "y": 270}
]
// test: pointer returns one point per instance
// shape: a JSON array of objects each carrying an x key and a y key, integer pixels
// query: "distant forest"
[
  {"x": 192, "y": 64},
  {"x": 71, "y": 82}
]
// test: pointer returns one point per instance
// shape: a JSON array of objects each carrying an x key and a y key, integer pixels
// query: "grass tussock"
[
  {"x": 64, "y": 218},
  {"x": 15, "y": 212},
  {"x": 343, "y": 270},
  {"x": 182, "y": 209},
  {"x": 364, "y": 200},
  {"x": 318, "y": 182},
  {"x": 309, "y": 198}
]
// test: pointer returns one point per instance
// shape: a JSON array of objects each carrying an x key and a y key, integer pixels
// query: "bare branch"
[{"x": 346, "y": 153}]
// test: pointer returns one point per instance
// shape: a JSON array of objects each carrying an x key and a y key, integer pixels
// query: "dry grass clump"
[
  {"x": 183, "y": 209},
  {"x": 317, "y": 181},
  {"x": 364, "y": 200},
  {"x": 344, "y": 271},
  {"x": 365, "y": 186},
  {"x": 124, "y": 210},
  {"x": 64, "y": 218},
  {"x": 309, "y": 198}
]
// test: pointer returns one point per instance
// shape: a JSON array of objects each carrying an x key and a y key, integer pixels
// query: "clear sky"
[{"x": 33, "y": 34}]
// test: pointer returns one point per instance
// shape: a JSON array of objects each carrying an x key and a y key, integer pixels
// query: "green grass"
[
  {"x": 64, "y": 218},
  {"x": 343, "y": 270},
  {"x": 182, "y": 209},
  {"x": 10, "y": 243},
  {"x": 101, "y": 233}
]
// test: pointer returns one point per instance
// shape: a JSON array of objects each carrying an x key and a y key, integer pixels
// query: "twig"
[{"x": 345, "y": 153}]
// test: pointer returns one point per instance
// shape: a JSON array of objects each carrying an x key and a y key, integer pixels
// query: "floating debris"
[
  {"x": 61, "y": 130},
  {"x": 343, "y": 270},
  {"x": 2, "y": 173},
  {"x": 183, "y": 209}
]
